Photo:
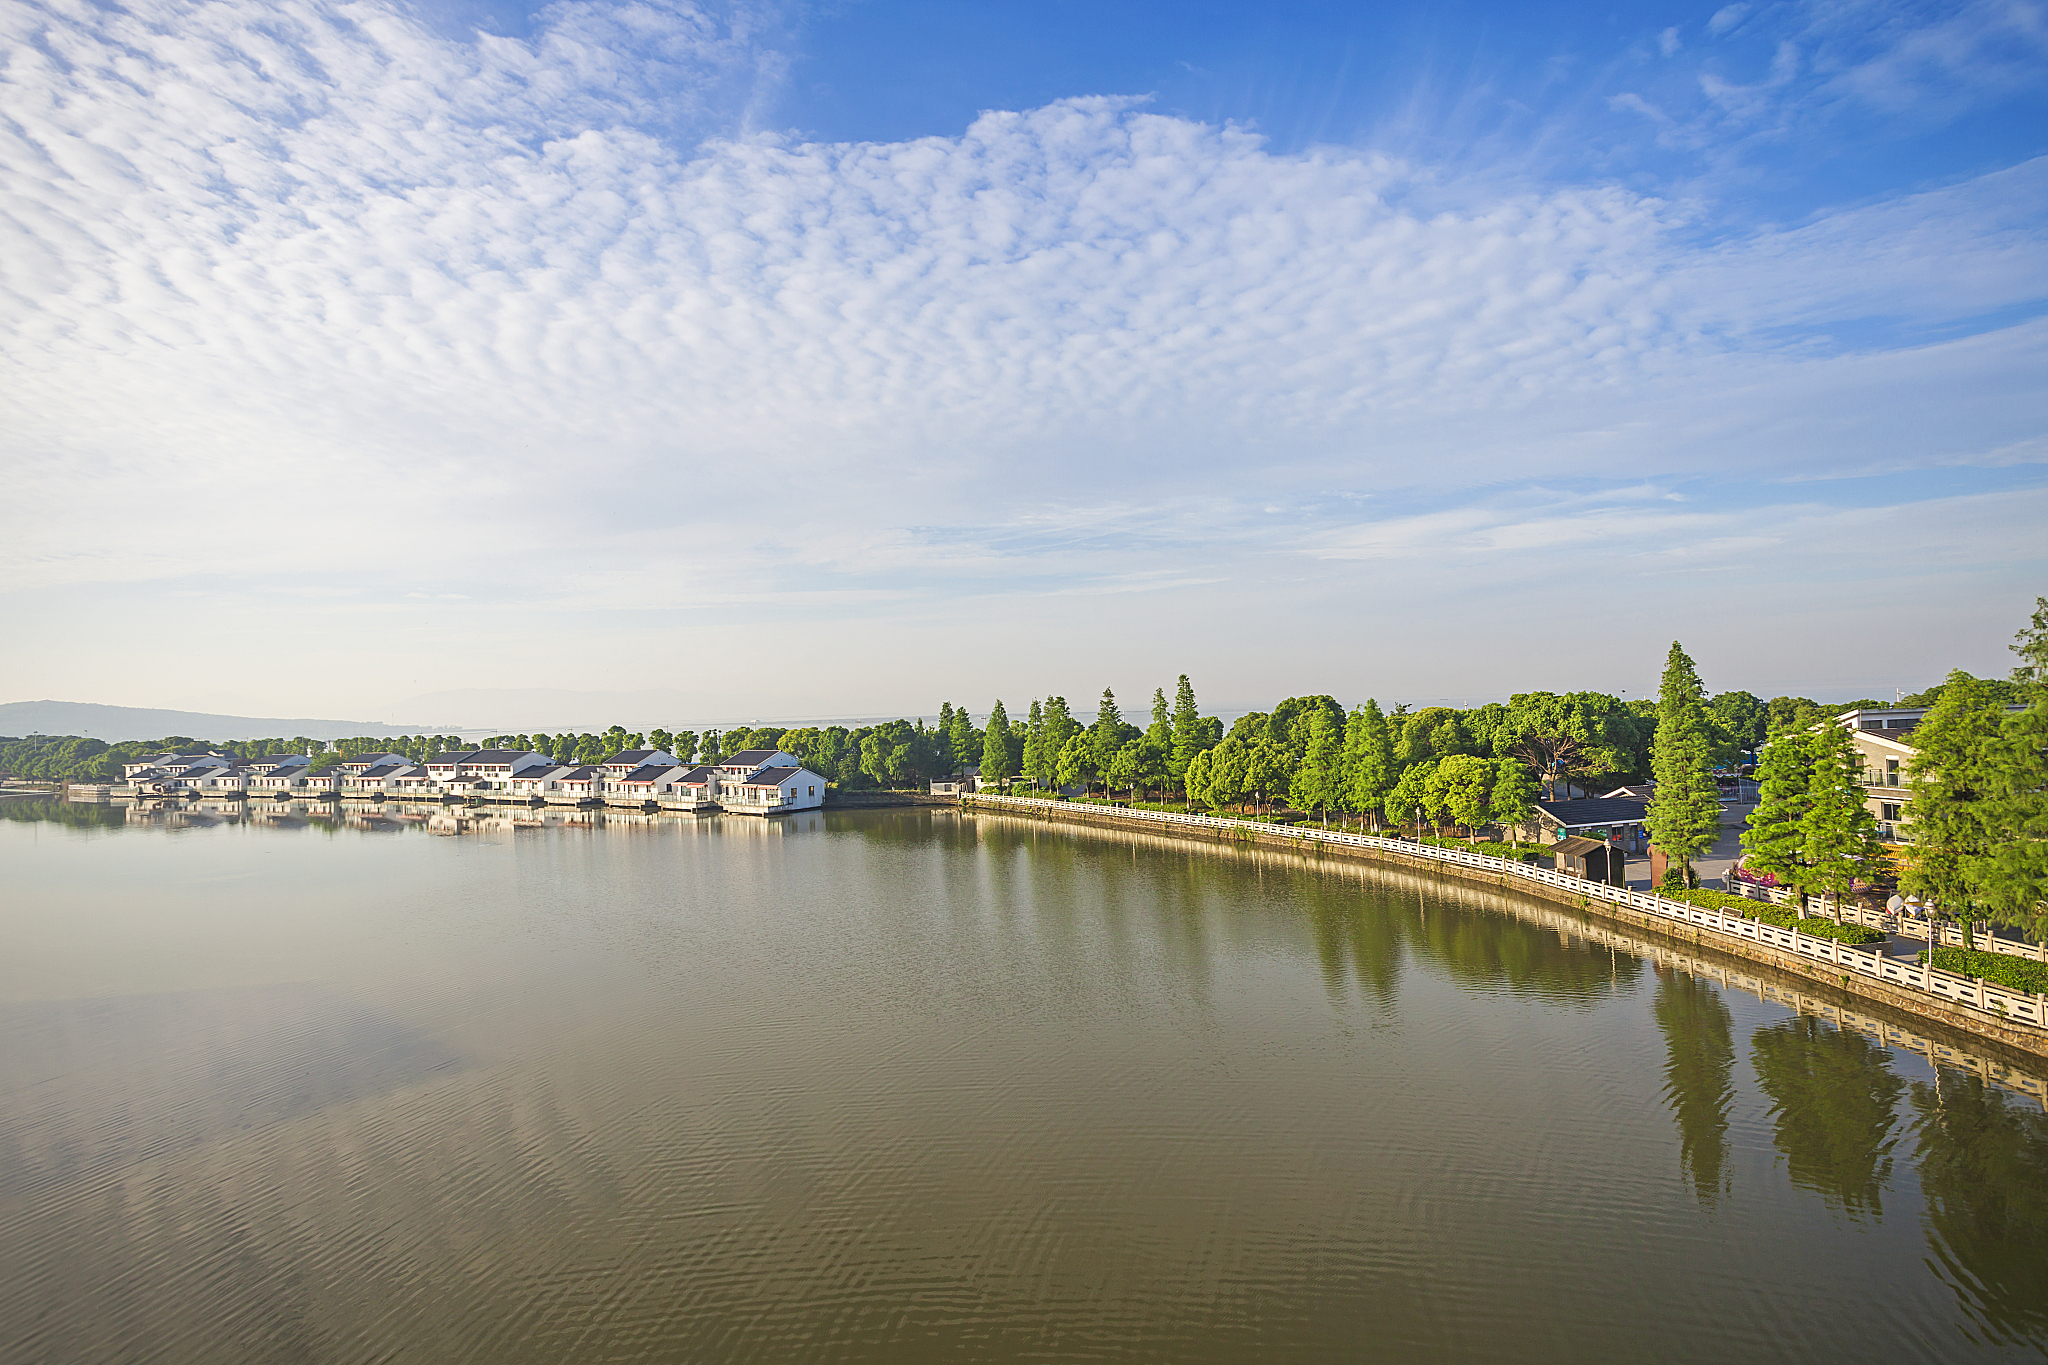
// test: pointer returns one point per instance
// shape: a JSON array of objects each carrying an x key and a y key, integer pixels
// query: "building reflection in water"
[
  {"x": 1699, "y": 1071},
  {"x": 1834, "y": 1101}
]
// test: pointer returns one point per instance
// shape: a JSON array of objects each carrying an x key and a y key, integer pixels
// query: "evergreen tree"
[
  {"x": 1195, "y": 780},
  {"x": 1838, "y": 832},
  {"x": 1190, "y": 736},
  {"x": 1161, "y": 729},
  {"x": 1950, "y": 775},
  {"x": 1060, "y": 728},
  {"x": 961, "y": 750},
  {"x": 1369, "y": 774},
  {"x": 1319, "y": 783},
  {"x": 1107, "y": 733},
  {"x": 995, "y": 749},
  {"x": 1034, "y": 744},
  {"x": 2031, "y": 644},
  {"x": 1228, "y": 762},
  {"x": 1774, "y": 842},
  {"x": 1461, "y": 789},
  {"x": 1265, "y": 771},
  {"x": 1514, "y": 795},
  {"x": 1684, "y": 817},
  {"x": 2013, "y": 879}
]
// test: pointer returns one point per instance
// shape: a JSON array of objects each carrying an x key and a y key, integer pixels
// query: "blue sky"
[{"x": 400, "y": 355}]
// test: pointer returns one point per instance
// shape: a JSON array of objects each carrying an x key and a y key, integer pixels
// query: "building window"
[{"x": 1891, "y": 811}]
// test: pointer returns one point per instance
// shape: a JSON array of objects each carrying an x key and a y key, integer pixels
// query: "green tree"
[
  {"x": 964, "y": 747},
  {"x": 1319, "y": 782},
  {"x": 1195, "y": 780},
  {"x": 1106, "y": 735},
  {"x": 2031, "y": 644},
  {"x": 1077, "y": 762},
  {"x": 1514, "y": 795},
  {"x": 1229, "y": 765},
  {"x": 1190, "y": 735},
  {"x": 1125, "y": 767},
  {"x": 1369, "y": 772},
  {"x": 2012, "y": 877},
  {"x": 1160, "y": 730},
  {"x": 1410, "y": 796},
  {"x": 1774, "y": 840},
  {"x": 995, "y": 749},
  {"x": 1433, "y": 732},
  {"x": 1744, "y": 716},
  {"x": 1559, "y": 735},
  {"x": 1060, "y": 728},
  {"x": 1684, "y": 817},
  {"x": 1951, "y": 775},
  {"x": 1837, "y": 829},
  {"x": 1462, "y": 789},
  {"x": 1034, "y": 764},
  {"x": 1266, "y": 771}
]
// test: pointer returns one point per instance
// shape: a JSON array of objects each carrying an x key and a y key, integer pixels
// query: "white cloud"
[{"x": 295, "y": 285}]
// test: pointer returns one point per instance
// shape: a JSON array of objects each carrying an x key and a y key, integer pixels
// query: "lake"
[{"x": 915, "y": 1085}]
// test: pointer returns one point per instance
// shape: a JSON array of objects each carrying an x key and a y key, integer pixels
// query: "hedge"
[
  {"x": 1783, "y": 917},
  {"x": 2000, "y": 969}
]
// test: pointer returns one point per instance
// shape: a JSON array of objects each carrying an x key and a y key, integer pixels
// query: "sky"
[{"x": 476, "y": 362}]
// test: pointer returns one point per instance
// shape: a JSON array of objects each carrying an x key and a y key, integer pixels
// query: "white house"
[
  {"x": 490, "y": 765},
  {"x": 537, "y": 782},
  {"x": 415, "y": 781},
  {"x": 362, "y": 763},
  {"x": 374, "y": 781},
  {"x": 626, "y": 760},
  {"x": 289, "y": 775},
  {"x": 645, "y": 783},
  {"x": 578, "y": 785},
  {"x": 773, "y": 791},
  {"x": 168, "y": 765},
  {"x": 751, "y": 761}
]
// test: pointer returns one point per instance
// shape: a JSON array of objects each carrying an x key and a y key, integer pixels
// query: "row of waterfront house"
[{"x": 757, "y": 782}]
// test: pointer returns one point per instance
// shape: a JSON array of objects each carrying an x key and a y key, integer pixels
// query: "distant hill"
[{"x": 116, "y": 723}]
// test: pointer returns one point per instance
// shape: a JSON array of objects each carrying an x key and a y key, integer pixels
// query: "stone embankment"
[{"x": 1984, "y": 1009}]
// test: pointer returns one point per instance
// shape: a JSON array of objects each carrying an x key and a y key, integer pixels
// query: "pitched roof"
[
  {"x": 1576, "y": 845},
  {"x": 649, "y": 772},
  {"x": 771, "y": 777},
  {"x": 382, "y": 770},
  {"x": 583, "y": 774},
  {"x": 699, "y": 775},
  {"x": 449, "y": 757},
  {"x": 636, "y": 757},
  {"x": 753, "y": 756},
  {"x": 1594, "y": 810},
  {"x": 496, "y": 755}
]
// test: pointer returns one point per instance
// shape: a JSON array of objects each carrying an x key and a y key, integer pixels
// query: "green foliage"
[
  {"x": 1743, "y": 716},
  {"x": 1190, "y": 734},
  {"x": 1076, "y": 766},
  {"x": 995, "y": 749},
  {"x": 1950, "y": 775},
  {"x": 1411, "y": 793},
  {"x": 1369, "y": 773},
  {"x": 1513, "y": 799},
  {"x": 1562, "y": 736},
  {"x": 1318, "y": 783},
  {"x": 2013, "y": 877},
  {"x": 1774, "y": 841},
  {"x": 1839, "y": 833},
  {"x": 1460, "y": 790},
  {"x": 2002, "y": 969},
  {"x": 1684, "y": 817},
  {"x": 1433, "y": 734},
  {"x": 1034, "y": 765},
  {"x": 2031, "y": 644}
]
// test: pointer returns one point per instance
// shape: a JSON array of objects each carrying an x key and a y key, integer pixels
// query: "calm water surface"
[{"x": 916, "y": 1086}]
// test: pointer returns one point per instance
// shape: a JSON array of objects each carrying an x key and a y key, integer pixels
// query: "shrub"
[
  {"x": 1782, "y": 916},
  {"x": 2015, "y": 973}
]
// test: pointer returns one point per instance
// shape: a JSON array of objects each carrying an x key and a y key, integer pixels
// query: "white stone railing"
[{"x": 2001, "y": 1002}]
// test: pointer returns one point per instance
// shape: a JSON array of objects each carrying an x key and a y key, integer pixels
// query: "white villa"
[{"x": 756, "y": 782}]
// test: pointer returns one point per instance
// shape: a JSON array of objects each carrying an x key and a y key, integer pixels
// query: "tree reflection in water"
[
  {"x": 1984, "y": 1169},
  {"x": 1698, "y": 1075},
  {"x": 1834, "y": 1100}
]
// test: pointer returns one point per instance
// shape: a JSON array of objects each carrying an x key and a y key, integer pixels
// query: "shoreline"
[{"x": 1312, "y": 846}]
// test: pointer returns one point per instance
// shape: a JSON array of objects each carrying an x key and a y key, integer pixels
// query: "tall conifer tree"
[
  {"x": 1107, "y": 733},
  {"x": 1839, "y": 832},
  {"x": 1684, "y": 817},
  {"x": 995, "y": 749},
  {"x": 1951, "y": 774},
  {"x": 1034, "y": 742},
  {"x": 1189, "y": 734},
  {"x": 1060, "y": 728},
  {"x": 1319, "y": 782},
  {"x": 1369, "y": 760},
  {"x": 1774, "y": 841}
]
